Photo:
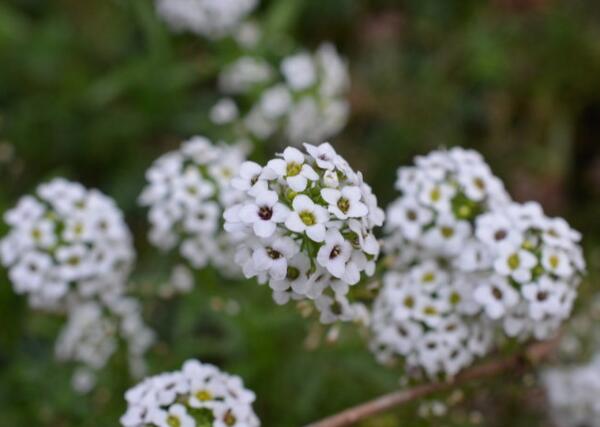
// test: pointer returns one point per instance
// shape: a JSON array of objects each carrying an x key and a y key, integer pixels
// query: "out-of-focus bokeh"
[{"x": 94, "y": 91}]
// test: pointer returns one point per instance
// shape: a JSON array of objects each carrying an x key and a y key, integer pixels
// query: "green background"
[{"x": 95, "y": 90}]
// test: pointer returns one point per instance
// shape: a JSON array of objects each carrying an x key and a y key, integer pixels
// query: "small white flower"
[
  {"x": 176, "y": 415},
  {"x": 225, "y": 111},
  {"x": 556, "y": 261},
  {"x": 515, "y": 263},
  {"x": 293, "y": 169},
  {"x": 346, "y": 203},
  {"x": 299, "y": 71},
  {"x": 335, "y": 256},
  {"x": 264, "y": 214},
  {"x": 272, "y": 256},
  {"x": 496, "y": 296},
  {"x": 307, "y": 217}
]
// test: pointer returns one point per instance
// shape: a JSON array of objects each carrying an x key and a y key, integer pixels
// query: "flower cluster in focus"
[
  {"x": 308, "y": 220},
  {"x": 199, "y": 395}
]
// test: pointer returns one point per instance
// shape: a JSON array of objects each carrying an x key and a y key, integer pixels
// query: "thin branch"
[{"x": 532, "y": 355}]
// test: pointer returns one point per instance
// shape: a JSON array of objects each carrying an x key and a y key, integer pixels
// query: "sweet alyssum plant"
[{"x": 463, "y": 266}]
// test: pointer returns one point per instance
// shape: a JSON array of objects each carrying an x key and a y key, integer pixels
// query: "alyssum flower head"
[
  {"x": 66, "y": 240},
  {"x": 426, "y": 315},
  {"x": 302, "y": 101},
  {"x": 527, "y": 266},
  {"x": 199, "y": 395},
  {"x": 308, "y": 220},
  {"x": 441, "y": 196},
  {"x": 208, "y": 18},
  {"x": 535, "y": 265},
  {"x": 187, "y": 191}
]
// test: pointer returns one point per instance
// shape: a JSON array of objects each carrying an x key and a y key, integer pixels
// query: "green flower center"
[
  {"x": 293, "y": 169},
  {"x": 344, "y": 204},
  {"x": 435, "y": 194},
  {"x": 173, "y": 421},
  {"x": 308, "y": 218},
  {"x": 455, "y": 298},
  {"x": 292, "y": 273},
  {"x": 428, "y": 277},
  {"x": 204, "y": 395},
  {"x": 409, "y": 302},
  {"x": 554, "y": 261},
  {"x": 36, "y": 234},
  {"x": 430, "y": 310},
  {"x": 514, "y": 262},
  {"x": 447, "y": 232},
  {"x": 74, "y": 260}
]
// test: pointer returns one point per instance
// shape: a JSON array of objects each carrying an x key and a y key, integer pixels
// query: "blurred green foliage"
[{"x": 95, "y": 90}]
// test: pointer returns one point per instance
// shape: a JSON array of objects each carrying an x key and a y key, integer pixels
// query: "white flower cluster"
[
  {"x": 519, "y": 267},
  {"x": 187, "y": 191},
  {"x": 304, "y": 102},
  {"x": 535, "y": 265},
  {"x": 309, "y": 221},
  {"x": 209, "y": 18},
  {"x": 66, "y": 241},
  {"x": 199, "y": 395},
  {"x": 427, "y": 315},
  {"x": 573, "y": 394},
  {"x": 92, "y": 333}
]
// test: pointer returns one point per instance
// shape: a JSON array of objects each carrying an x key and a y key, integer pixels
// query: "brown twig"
[{"x": 532, "y": 355}]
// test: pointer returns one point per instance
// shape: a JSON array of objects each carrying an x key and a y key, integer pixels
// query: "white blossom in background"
[
  {"x": 308, "y": 219},
  {"x": 573, "y": 394},
  {"x": 92, "y": 335},
  {"x": 427, "y": 316},
  {"x": 197, "y": 395},
  {"x": 518, "y": 269},
  {"x": 303, "y": 99},
  {"x": 66, "y": 241},
  {"x": 187, "y": 191},
  {"x": 208, "y": 18}
]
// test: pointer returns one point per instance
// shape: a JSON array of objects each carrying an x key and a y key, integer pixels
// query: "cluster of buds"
[
  {"x": 308, "y": 219},
  {"x": 187, "y": 191},
  {"x": 199, "y": 395},
  {"x": 66, "y": 241},
  {"x": 303, "y": 100}
]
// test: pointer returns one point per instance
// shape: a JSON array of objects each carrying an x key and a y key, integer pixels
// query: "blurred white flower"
[
  {"x": 66, "y": 241},
  {"x": 187, "y": 191},
  {"x": 305, "y": 101},
  {"x": 209, "y": 18}
]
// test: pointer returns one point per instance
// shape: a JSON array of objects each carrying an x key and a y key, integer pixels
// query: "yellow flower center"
[
  {"x": 173, "y": 421},
  {"x": 308, "y": 218},
  {"x": 514, "y": 262},
  {"x": 293, "y": 169}
]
